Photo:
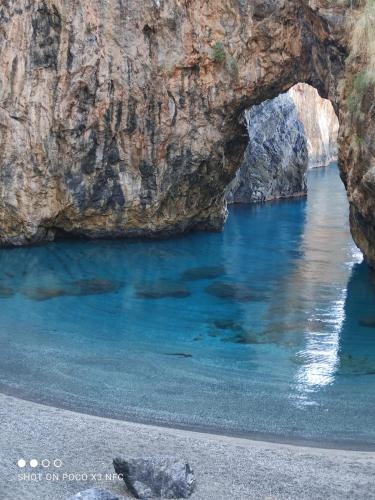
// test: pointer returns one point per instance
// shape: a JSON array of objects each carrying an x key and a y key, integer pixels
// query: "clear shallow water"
[{"x": 274, "y": 337}]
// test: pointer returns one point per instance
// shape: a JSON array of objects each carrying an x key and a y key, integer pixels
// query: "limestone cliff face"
[
  {"x": 276, "y": 158},
  {"x": 123, "y": 118},
  {"x": 357, "y": 129},
  {"x": 320, "y": 124}
]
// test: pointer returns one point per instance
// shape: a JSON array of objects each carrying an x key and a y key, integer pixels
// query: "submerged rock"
[
  {"x": 6, "y": 292},
  {"x": 352, "y": 365},
  {"x": 280, "y": 335},
  {"x": 179, "y": 354},
  {"x": 156, "y": 477},
  {"x": 227, "y": 324},
  {"x": 367, "y": 322},
  {"x": 248, "y": 338},
  {"x": 163, "y": 289},
  {"x": 94, "y": 494},
  {"x": 221, "y": 327},
  {"x": 203, "y": 273},
  {"x": 233, "y": 291},
  {"x": 44, "y": 293},
  {"x": 75, "y": 288},
  {"x": 94, "y": 286}
]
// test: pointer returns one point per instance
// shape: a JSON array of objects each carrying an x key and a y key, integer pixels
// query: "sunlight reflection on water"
[{"x": 319, "y": 357}]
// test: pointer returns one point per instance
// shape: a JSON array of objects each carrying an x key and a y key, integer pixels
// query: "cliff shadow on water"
[{"x": 356, "y": 353}]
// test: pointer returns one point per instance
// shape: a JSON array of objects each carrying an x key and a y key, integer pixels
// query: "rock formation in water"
[
  {"x": 124, "y": 118},
  {"x": 320, "y": 124},
  {"x": 276, "y": 157}
]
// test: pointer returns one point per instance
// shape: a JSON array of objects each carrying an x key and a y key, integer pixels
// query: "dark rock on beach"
[
  {"x": 94, "y": 494},
  {"x": 156, "y": 477},
  {"x": 203, "y": 273},
  {"x": 162, "y": 289}
]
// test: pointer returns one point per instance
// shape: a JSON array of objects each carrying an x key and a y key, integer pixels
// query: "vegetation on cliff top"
[{"x": 363, "y": 38}]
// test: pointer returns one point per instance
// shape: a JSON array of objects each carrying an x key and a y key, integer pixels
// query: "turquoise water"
[{"x": 267, "y": 329}]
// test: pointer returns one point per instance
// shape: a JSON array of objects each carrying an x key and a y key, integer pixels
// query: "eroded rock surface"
[
  {"x": 124, "y": 118},
  {"x": 276, "y": 158}
]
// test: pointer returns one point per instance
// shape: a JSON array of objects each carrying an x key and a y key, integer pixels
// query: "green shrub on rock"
[
  {"x": 218, "y": 52},
  {"x": 361, "y": 83},
  {"x": 232, "y": 67}
]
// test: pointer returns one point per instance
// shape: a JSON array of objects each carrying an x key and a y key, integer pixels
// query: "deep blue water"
[{"x": 278, "y": 340}]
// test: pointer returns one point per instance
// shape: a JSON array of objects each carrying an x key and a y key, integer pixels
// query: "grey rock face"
[
  {"x": 94, "y": 494},
  {"x": 276, "y": 159},
  {"x": 156, "y": 477}
]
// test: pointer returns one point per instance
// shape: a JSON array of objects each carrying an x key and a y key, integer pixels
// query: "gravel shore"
[{"x": 225, "y": 467}]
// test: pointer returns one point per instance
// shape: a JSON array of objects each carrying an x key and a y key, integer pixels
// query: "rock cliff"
[
  {"x": 276, "y": 158},
  {"x": 123, "y": 118},
  {"x": 320, "y": 124}
]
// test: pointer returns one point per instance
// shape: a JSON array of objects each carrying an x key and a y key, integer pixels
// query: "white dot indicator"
[
  {"x": 21, "y": 462},
  {"x": 46, "y": 462},
  {"x": 33, "y": 462}
]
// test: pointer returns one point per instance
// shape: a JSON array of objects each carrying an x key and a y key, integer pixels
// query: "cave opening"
[{"x": 287, "y": 136}]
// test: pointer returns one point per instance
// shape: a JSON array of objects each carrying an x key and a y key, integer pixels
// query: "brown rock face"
[
  {"x": 357, "y": 130},
  {"x": 320, "y": 123},
  {"x": 124, "y": 118}
]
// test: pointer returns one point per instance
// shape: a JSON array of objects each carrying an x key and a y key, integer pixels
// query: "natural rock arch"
[{"x": 123, "y": 118}]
